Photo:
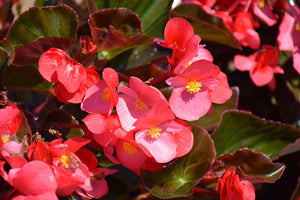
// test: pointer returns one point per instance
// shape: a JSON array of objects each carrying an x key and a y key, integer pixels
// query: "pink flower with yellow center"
[
  {"x": 136, "y": 100},
  {"x": 102, "y": 97},
  {"x": 196, "y": 88}
]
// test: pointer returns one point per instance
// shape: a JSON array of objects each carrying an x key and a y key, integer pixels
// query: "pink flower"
[
  {"x": 103, "y": 128},
  {"x": 162, "y": 136},
  {"x": 71, "y": 78},
  {"x": 230, "y": 187},
  {"x": 243, "y": 30},
  {"x": 262, "y": 65},
  {"x": 196, "y": 88},
  {"x": 40, "y": 185},
  {"x": 264, "y": 10},
  {"x": 102, "y": 97},
  {"x": 136, "y": 101},
  {"x": 289, "y": 35},
  {"x": 179, "y": 36}
]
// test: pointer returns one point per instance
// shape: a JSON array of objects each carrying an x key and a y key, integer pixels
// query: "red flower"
[
  {"x": 262, "y": 65},
  {"x": 231, "y": 188},
  {"x": 71, "y": 78},
  {"x": 86, "y": 45}
]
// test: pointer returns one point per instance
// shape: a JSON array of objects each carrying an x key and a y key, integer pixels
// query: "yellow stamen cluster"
[
  {"x": 106, "y": 94},
  {"x": 4, "y": 139},
  {"x": 140, "y": 104},
  {"x": 188, "y": 64},
  {"x": 65, "y": 161},
  {"x": 297, "y": 26},
  {"x": 129, "y": 148},
  {"x": 261, "y": 3},
  {"x": 154, "y": 132},
  {"x": 193, "y": 87}
]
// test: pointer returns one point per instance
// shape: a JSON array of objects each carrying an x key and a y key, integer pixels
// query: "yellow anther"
[
  {"x": 193, "y": 87},
  {"x": 261, "y": 3},
  {"x": 4, "y": 139},
  {"x": 129, "y": 148},
  {"x": 140, "y": 104},
  {"x": 65, "y": 161},
  {"x": 154, "y": 132},
  {"x": 297, "y": 26},
  {"x": 106, "y": 94},
  {"x": 188, "y": 64}
]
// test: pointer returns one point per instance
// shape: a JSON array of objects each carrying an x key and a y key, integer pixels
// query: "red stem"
[
  {"x": 67, "y": 125},
  {"x": 159, "y": 79},
  {"x": 43, "y": 106},
  {"x": 9, "y": 194}
]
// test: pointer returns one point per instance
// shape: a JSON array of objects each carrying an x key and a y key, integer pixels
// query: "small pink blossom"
[
  {"x": 102, "y": 97},
  {"x": 136, "y": 101},
  {"x": 262, "y": 65},
  {"x": 196, "y": 88}
]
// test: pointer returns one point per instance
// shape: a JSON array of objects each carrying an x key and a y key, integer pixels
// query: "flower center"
[
  {"x": 188, "y": 64},
  {"x": 65, "y": 161},
  {"x": 129, "y": 148},
  {"x": 140, "y": 104},
  {"x": 106, "y": 94},
  {"x": 297, "y": 26},
  {"x": 193, "y": 87},
  {"x": 154, "y": 132},
  {"x": 4, "y": 139},
  {"x": 261, "y": 3}
]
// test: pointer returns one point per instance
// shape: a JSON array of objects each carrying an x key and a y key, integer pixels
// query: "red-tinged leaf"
[
  {"x": 296, "y": 194},
  {"x": 56, "y": 117},
  {"x": 3, "y": 64},
  {"x": 52, "y": 21},
  {"x": 24, "y": 129},
  {"x": 31, "y": 51},
  {"x": 154, "y": 14},
  {"x": 210, "y": 122},
  {"x": 210, "y": 28},
  {"x": 25, "y": 77},
  {"x": 180, "y": 177},
  {"x": 6, "y": 17},
  {"x": 239, "y": 129},
  {"x": 113, "y": 28},
  {"x": 256, "y": 167}
]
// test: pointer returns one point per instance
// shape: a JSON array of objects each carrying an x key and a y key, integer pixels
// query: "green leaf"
[
  {"x": 241, "y": 129},
  {"x": 180, "y": 177},
  {"x": 210, "y": 28},
  {"x": 209, "y": 122},
  {"x": 56, "y": 21},
  {"x": 255, "y": 167},
  {"x": 154, "y": 14}
]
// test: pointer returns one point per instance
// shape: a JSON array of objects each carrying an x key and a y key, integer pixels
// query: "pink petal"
[
  {"x": 49, "y": 62},
  {"x": 41, "y": 181},
  {"x": 162, "y": 148},
  {"x": 243, "y": 63},
  {"x": 221, "y": 92},
  {"x": 285, "y": 41},
  {"x": 157, "y": 115},
  {"x": 75, "y": 143},
  {"x": 266, "y": 14},
  {"x": 94, "y": 101},
  {"x": 111, "y": 77},
  {"x": 10, "y": 119},
  {"x": 11, "y": 147},
  {"x": 261, "y": 77},
  {"x": 128, "y": 111},
  {"x": 129, "y": 154},
  {"x": 188, "y": 106},
  {"x": 252, "y": 39},
  {"x": 179, "y": 31},
  {"x": 71, "y": 74},
  {"x": 296, "y": 59},
  {"x": 148, "y": 94}
]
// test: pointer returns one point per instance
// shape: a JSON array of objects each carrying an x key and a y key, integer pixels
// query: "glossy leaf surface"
[
  {"x": 180, "y": 177},
  {"x": 240, "y": 129}
]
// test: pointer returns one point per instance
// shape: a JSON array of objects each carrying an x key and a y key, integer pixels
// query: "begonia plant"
[{"x": 152, "y": 99}]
